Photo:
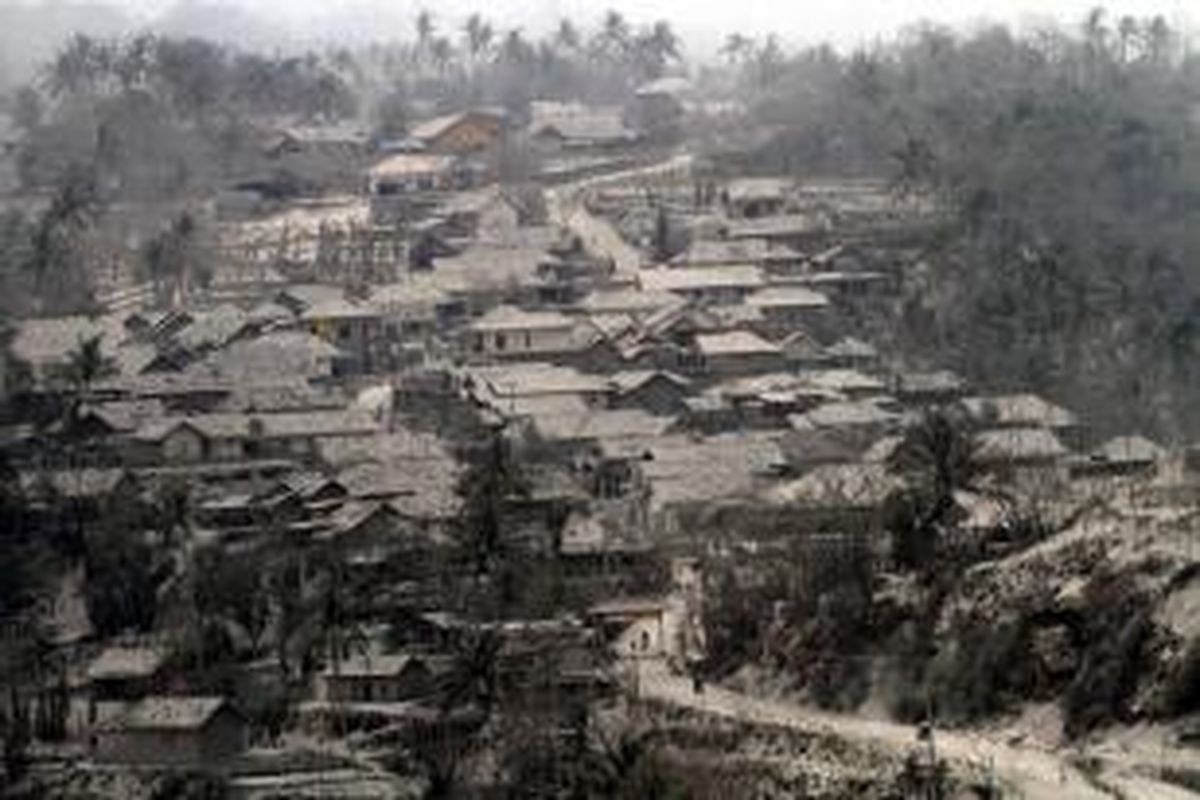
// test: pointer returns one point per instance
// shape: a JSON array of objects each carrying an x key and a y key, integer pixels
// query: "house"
[
  {"x": 1019, "y": 411},
  {"x": 837, "y": 497},
  {"x": 365, "y": 534},
  {"x": 851, "y": 353},
  {"x": 245, "y": 437},
  {"x": 509, "y": 332},
  {"x": 461, "y": 133},
  {"x": 377, "y": 678},
  {"x": 797, "y": 231},
  {"x": 637, "y": 628},
  {"x": 737, "y": 353},
  {"x": 722, "y": 285},
  {"x": 786, "y": 308},
  {"x": 849, "y": 383},
  {"x": 127, "y": 672},
  {"x": 410, "y": 173},
  {"x": 754, "y": 198},
  {"x": 1120, "y": 456},
  {"x": 320, "y": 158},
  {"x": 1003, "y": 449},
  {"x": 928, "y": 388},
  {"x": 185, "y": 732},
  {"x": 736, "y": 466},
  {"x": 354, "y": 327},
  {"x": 864, "y": 420},
  {"x": 576, "y": 128},
  {"x": 655, "y": 391},
  {"x": 1024, "y": 411}
]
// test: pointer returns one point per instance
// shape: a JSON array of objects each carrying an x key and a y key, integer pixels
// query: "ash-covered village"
[{"x": 488, "y": 415}]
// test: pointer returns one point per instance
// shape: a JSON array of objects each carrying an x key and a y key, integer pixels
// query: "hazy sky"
[
  {"x": 703, "y": 23},
  {"x": 845, "y": 21}
]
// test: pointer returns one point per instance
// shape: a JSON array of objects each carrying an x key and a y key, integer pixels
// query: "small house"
[
  {"x": 1121, "y": 456},
  {"x": 786, "y": 308},
  {"x": 186, "y": 732},
  {"x": 752, "y": 198},
  {"x": 721, "y": 285},
  {"x": 465, "y": 132},
  {"x": 737, "y": 353},
  {"x": 509, "y": 332},
  {"x": 656, "y": 391},
  {"x": 377, "y": 678}
]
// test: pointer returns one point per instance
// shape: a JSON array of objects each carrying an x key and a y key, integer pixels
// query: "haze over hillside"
[{"x": 31, "y": 29}]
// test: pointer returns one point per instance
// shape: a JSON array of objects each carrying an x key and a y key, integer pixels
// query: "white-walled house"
[{"x": 509, "y": 332}]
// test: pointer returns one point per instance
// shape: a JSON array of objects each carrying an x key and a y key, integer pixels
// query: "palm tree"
[
  {"x": 768, "y": 61},
  {"x": 479, "y": 35},
  {"x": 653, "y": 49},
  {"x": 515, "y": 50},
  {"x": 613, "y": 40},
  {"x": 425, "y": 30},
  {"x": 86, "y": 365},
  {"x": 937, "y": 459},
  {"x": 441, "y": 52},
  {"x": 472, "y": 679},
  {"x": 567, "y": 36},
  {"x": 737, "y": 46},
  {"x": 1127, "y": 32}
]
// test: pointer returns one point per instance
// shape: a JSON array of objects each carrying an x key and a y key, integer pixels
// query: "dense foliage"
[{"x": 1070, "y": 165}]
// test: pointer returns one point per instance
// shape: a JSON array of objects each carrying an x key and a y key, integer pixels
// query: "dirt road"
[
  {"x": 1025, "y": 771},
  {"x": 565, "y": 206}
]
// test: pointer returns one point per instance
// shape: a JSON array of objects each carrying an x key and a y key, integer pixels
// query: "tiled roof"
[
  {"x": 734, "y": 343},
  {"x": 511, "y": 318},
  {"x": 170, "y": 714},
  {"x": 124, "y": 662},
  {"x": 699, "y": 278}
]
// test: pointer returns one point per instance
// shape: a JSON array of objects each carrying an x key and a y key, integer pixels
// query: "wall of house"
[
  {"x": 466, "y": 137},
  {"x": 515, "y": 342},
  {"x": 183, "y": 445},
  {"x": 658, "y": 396},
  {"x": 744, "y": 364},
  {"x": 223, "y": 737},
  {"x": 410, "y": 685},
  {"x": 643, "y": 638}
]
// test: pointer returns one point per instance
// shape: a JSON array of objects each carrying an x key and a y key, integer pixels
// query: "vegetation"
[
  {"x": 937, "y": 458},
  {"x": 1067, "y": 166}
]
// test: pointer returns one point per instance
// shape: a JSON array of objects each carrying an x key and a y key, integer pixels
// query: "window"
[
  {"x": 528, "y": 340},
  {"x": 501, "y": 341}
]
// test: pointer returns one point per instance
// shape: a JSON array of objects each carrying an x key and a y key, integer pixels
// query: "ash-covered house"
[
  {"x": 575, "y": 128},
  {"x": 378, "y": 678},
  {"x": 786, "y": 308},
  {"x": 1027, "y": 412},
  {"x": 721, "y": 285},
  {"x": 318, "y": 159},
  {"x": 246, "y": 437},
  {"x": 466, "y": 132},
  {"x": 507, "y": 332},
  {"x": 169, "y": 731},
  {"x": 1122, "y": 456},
  {"x": 736, "y": 353},
  {"x": 753, "y": 198}
]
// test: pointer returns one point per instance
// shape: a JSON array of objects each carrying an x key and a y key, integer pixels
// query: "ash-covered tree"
[{"x": 937, "y": 460}]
